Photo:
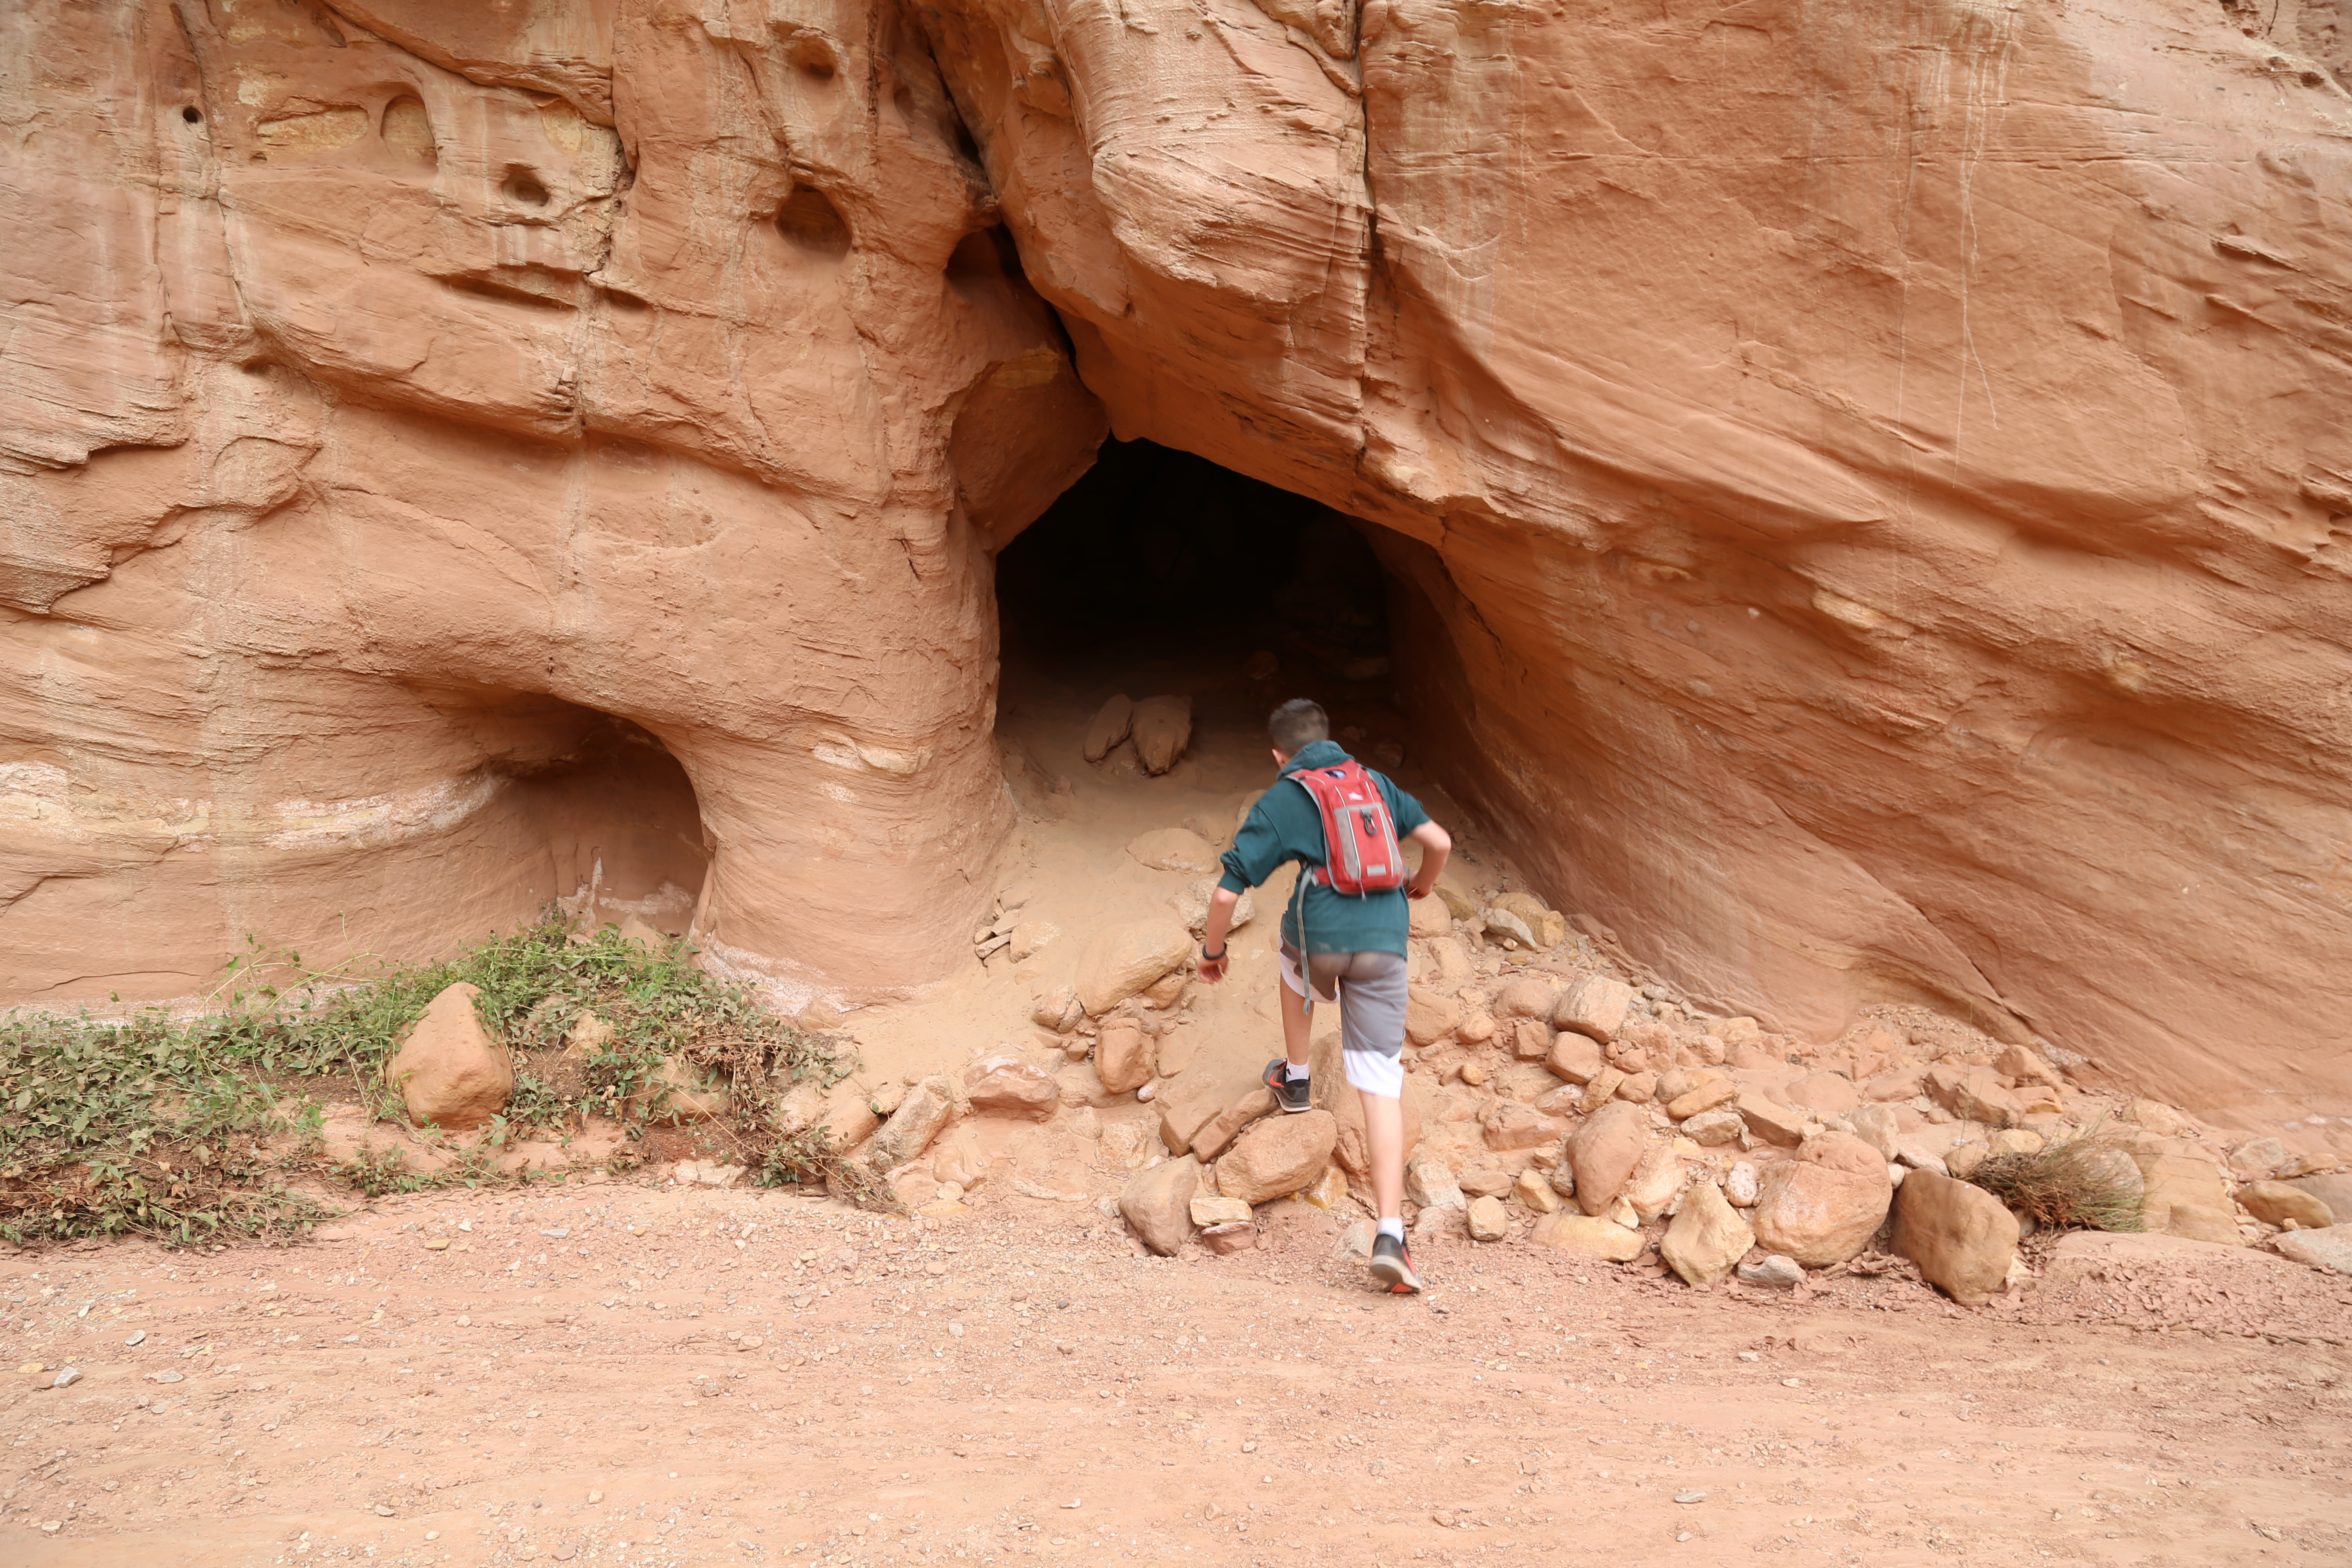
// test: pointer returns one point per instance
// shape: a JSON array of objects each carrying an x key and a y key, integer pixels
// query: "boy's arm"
[
  {"x": 1436, "y": 844},
  {"x": 1214, "y": 936}
]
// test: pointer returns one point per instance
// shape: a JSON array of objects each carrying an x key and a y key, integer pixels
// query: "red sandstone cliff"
[{"x": 1863, "y": 485}]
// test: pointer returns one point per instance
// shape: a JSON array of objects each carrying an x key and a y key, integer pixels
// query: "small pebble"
[
  {"x": 67, "y": 1378},
  {"x": 1690, "y": 1496},
  {"x": 138, "y": 1338},
  {"x": 383, "y": 1511}
]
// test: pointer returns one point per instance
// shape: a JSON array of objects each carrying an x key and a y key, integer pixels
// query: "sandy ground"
[{"x": 626, "y": 1374}]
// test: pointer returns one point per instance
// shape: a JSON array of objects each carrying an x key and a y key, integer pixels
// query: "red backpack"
[{"x": 1359, "y": 837}]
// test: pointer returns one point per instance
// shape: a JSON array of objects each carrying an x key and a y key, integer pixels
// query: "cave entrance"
[
  {"x": 1161, "y": 574},
  {"x": 590, "y": 813}
]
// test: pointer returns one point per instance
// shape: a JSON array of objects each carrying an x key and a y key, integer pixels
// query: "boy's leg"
[
  {"x": 1372, "y": 1038},
  {"x": 1286, "y": 1075},
  {"x": 1384, "y": 1131}
]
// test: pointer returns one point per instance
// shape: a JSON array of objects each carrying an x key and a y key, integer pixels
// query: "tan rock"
[
  {"x": 1638, "y": 1087},
  {"x": 1549, "y": 927},
  {"x": 448, "y": 1071},
  {"x": 1157, "y": 1204},
  {"x": 2187, "y": 1195},
  {"x": 1227, "y": 1124},
  {"x": 1111, "y": 725},
  {"x": 2203, "y": 1222},
  {"x": 1962, "y": 1159},
  {"x": 1714, "y": 1129},
  {"x": 2263, "y": 1159},
  {"x": 1224, "y": 1240},
  {"x": 1877, "y": 1126},
  {"x": 1429, "y": 918},
  {"x": 1962, "y": 1236},
  {"x": 1657, "y": 1182},
  {"x": 1122, "y": 961},
  {"x": 1571, "y": 1232},
  {"x": 1530, "y": 1039},
  {"x": 1705, "y": 1097},
  {"x": 1058, "y": 1010},
  {"x": 1535, "y": 1191},
  {"x": 1192, "y": 900},
  {"x": 1429, "y": 1015},
  {"x": 1897, "y": 1083},
  {"x": 1507, "y": 1124},
  {"x": 1594, "y": 1005},
  {"x": 1771, "y": 1122},
  {"x": 1207, "y": 1210},
  {"x": 2275, "y": 1202},
  {"x": 2024, "y": 1065},
  {"x": 1818, "y": 1214},
  {"x": 1186, "y": 1106},
  {"x": 1825, "y": 1093},
  {"x": 1843, "y": 1152},
  {"x": 957, "y": 1158},
  {"x": 927, "y": 1107},
  {"x": 1162, "y": 729},
  {"x": 1488, "y": 1220},
  {"x": 1174, "y": 849},
  {"x": 2015, "y": 1140},
  {"x": 1277, "y": 1156},
  {"x": 2158, "y": 1118},
  {"x": 1576, "y": 1057},
  {"x": 1123, "y": 1056},
  {"x": 1125, "y": 1145},
  {"x": 2330, "y": 1249},
  {"x": 1603, "y": 1151},
  {"x": 843, "y": 1111},
  {"x": 1485, "y": 1181},
  {"x": 1708, "y": 1237},
  {"x": 1974, "y": 1094},
  {"x": 1742, "y": 1186},
  {"x": 1005, "y": 1083},
  {"x": 1080, "y": 1085},
  {"x": 1165, "y": 991},
  {"x": 1327, "y": 1190},
  {"x": 1429, "y": 1182}
]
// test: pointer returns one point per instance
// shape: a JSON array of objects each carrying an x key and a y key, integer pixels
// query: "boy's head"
[{"x": 1297, "y": 723}]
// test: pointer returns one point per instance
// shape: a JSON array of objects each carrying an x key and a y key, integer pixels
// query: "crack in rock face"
[{"x": 1862, "y": 515}]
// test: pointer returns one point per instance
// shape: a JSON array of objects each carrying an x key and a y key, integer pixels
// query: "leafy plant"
[{"x": 183, "y": 1129}]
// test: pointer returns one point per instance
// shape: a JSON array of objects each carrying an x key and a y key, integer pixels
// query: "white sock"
[
  {"x": 1294, "y": 1073},
  {"x": 1392, "y": 1228}
]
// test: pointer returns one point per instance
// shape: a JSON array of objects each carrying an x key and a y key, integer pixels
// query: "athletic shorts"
[{"x": 1370, "y": 988}]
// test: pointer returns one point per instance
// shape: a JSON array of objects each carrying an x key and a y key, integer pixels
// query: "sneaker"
[
  {"x": 1392, "y": 1266},
  {"x": 1289, "y": 1094}
]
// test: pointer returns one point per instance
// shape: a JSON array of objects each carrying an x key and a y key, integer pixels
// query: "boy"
[{"x": 1351, "y": 950}]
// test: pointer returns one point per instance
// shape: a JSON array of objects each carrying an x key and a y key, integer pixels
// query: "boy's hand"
[{"x": 1212, "y": 970}]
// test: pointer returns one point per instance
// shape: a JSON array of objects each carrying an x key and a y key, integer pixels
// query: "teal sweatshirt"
[{"x": 1286, "y": 826}]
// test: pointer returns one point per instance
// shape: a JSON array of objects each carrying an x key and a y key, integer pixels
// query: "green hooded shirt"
[{"x": 1286, "y": 825}]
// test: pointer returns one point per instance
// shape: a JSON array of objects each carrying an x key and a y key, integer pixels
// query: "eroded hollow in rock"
[
  {"x": 588, "y": 812},
  {"x": 1159, "y": 573}
]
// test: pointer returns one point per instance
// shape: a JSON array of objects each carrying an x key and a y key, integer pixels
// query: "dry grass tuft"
[{"x": 2087, "y": 1183}]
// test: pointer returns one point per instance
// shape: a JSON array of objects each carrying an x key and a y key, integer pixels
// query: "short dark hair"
[{"x": 1297, "y": 723}]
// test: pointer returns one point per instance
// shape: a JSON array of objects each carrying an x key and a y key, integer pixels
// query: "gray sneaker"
[{"x": 1288, "y": 1093}]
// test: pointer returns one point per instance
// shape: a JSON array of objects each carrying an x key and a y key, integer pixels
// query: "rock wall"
[
  {"x": 395, "y": 392},
  {"x": 1867, "y": 486},
  {"x": 1866, "y": 489}
]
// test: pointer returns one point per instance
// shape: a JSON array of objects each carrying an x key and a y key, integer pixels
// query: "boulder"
[
  {"x": 2278, "y": 1204},
  {"x": 1974, "y": 1094},
  {"x": 1174, "y": 849},
  {"x": 1897, "y": 1083},
  {"x": 1162, "y": 729},
  {"x": 1576, "y": 1057},
  {"x": 2186, "y": 1195},
  {"x": 1277, "y": 1157},
  {"x": 1430, "y": 1014},
  {"x": 1962, "y": 1238},
  {"x": 1122, "y": 961},
  {"x": 1547, "y": 927},
  {"x": 1603, "y": 1152},
  {"x": 1770, "y": 1121},
  {"x": 1005, "y": 1083},
  {"x": 1488, "y": 1220},
  {"x": 1123, "y": 1056},
  {"x": 1535, "y": 1192},
  {"x": 1186, "y": 1106},
  {"x": 2336, "y": 1192},
  {"x": 1529, "y": 996},
  {"x": 1207, "y": 1210},
  {"x": 927, "y": 1107},
  {"x": 844, "y": 1113},
  {"x": 2020, "y": 1064},
  {"x": 1485, "y": 1181},
  {"x": 448, "y": 1071},
  {"x": 1595, "y": 1006},
  {"x": 1080, "y": 1085},
  {"x": 1640, "y": 1087},
  {"x": 2261, "y": 1159},
  {"x": 1510, "y": 1125},
  {"x": 1227, "y": 1125},
  {"x": 1157, "y": 1204},
  {"x": 1191, "y": 903},
  {"x": 1877, "y": 1126},
  {"x": 1827, "y": 1094},
  {"x": 1573, "y": 1232},
  {"x": 2330, "y": 1249},
  {"x": 2158, "y": 1117},
  {"x": 1430, "y": 1184},
  {"x": 1056, "y": 1010},
  {"x": 1843, "y": 1152},
  {"x": 1708, "y": 1237},
  {"x": 1658, "y": 1180},
  {"x": 1224, "y": 1240},
  {"x": 1429, "y": 918},
  {"x": 1705, "y": 1097},
  {"x": 1818, "y": 1214},
  {"x": 1714, "y": 1129},
  {"x": 1111, "y": 723}
]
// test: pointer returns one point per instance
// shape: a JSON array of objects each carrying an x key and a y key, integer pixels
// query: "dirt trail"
[{"x": 620, "y": 1375}]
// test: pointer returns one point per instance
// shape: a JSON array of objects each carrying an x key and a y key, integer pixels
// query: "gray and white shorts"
[{"x": 1370, "y": 990}]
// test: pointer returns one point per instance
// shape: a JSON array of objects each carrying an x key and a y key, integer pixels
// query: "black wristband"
[{"x": 1208, "y": 957}]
